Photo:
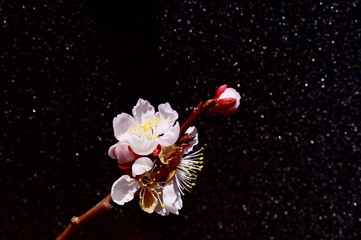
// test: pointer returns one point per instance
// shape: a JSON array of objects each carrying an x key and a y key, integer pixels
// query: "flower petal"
[
  {"x": 123, "y": 189},
  {"x": 161, "y": 210},
  {"x": 167, "y": 118},
  {"x": 166, "y": 111},
  {"x": 162, "y": 125},
  {"x": 141, "y": 165},
  {"x": 121, "y": 124},
  {"x": 170, "y": 136},
  {"x": 148, "y": 202},
  {"x": 192, "y": 131},
  {"x": 111, "y": 151},
  {"x": 143, "y": 111},
  {"x": 123, "y": 153},
  {"x": 141, "y": 146},
  {"x": 172, "y": 198}
]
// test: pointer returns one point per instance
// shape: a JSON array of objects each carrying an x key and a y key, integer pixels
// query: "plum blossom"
[
  {"x": 146, "y": 129},
  {"x": 161, "y": 182},
  {"x": 154, "y": 194}
]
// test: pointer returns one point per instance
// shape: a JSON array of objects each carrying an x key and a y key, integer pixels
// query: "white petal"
[
  {"x": 166, "y": 111},
  {"x": 161, "y": 210},
  {"x": 228, "y": 93},
  {"x": 140, "y": 146},
  {"x": 172, "y": 198},
  {"x": 162, "y": 125},
  {"x": 123, "y": 189},
  {"x": 170, "y": 136},
  {"x": 143, "y": 111},
  {"x": 141, "y": 165},
  {"x": 193, "y": 131},
  {"x": 121, "y": 124}
]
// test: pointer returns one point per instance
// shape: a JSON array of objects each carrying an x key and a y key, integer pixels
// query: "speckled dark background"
[{"x": 287, "y": 166}]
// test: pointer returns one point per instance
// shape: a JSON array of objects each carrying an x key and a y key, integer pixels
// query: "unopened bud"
[
  {"x": 221, "y": 90},
  {"x": 228, "y": 100}
]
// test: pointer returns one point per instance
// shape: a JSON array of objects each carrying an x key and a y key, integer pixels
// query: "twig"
[
  {"x": 77, "y": 222},
  {"x": 201, "y": 108}
]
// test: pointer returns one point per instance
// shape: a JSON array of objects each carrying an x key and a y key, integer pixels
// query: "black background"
[{"x": 286, "y": 166}]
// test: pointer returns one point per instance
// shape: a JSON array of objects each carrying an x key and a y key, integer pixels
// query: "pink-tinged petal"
[
  {"x": 123, "y": 153},
  {"x": 192, "y": 131},
  {"x": 111, "y": 151},
  {"x": 143, "y": 111},
  {"x": 141, "y": 165},
  {"x": 172, "y": 198},
  {"x": 141, "y": 146},
  {"x": 123, "y": 189},
  {"x": 170, "y": 136},
  {"x": 166, "y": 111},
  {"x": 121, "y": 124}
]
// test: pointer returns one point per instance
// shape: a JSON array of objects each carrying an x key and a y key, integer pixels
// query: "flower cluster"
[{"x": 156, "y": 154}]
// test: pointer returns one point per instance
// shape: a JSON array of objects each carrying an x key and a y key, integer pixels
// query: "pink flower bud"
[
  {"x": 228, "y": 100},
  {"x": 122, "y": 152}
]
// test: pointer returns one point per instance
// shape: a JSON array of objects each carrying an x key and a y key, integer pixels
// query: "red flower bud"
[
  {"x": 228, "y": 100},
  {"x": 221, "y": 90}
]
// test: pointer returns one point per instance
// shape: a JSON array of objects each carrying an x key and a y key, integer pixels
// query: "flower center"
[
  {"x": 146, "y": 130},
  {"x": 147, "y": 181}
]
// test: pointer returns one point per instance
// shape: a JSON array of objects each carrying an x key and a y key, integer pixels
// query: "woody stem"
[
  {"x": 76, "y": 222},
  {"x": 201, "y": 108}
]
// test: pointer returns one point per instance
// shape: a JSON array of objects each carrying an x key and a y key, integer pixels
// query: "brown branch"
[
  {"x": 201, "y": 108},
  {"x": 76, "y": 222}
]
